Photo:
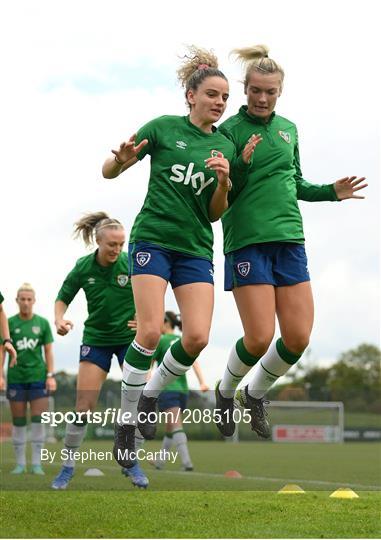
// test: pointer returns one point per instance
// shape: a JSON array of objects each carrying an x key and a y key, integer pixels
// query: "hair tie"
[{"x": 203, "y": 66}]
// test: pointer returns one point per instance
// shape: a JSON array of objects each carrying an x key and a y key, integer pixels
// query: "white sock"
[
  {"x": 74, "y": 436},
  {"x": 133, "y": 382},
  {"x": 181, "y": 442},
  {"x": 268, "y": 370},
  {"x": 37, "y": 441},
  {"x": 139, "y": 439},
  {"x": 166, "y": 443},
  {"x": 168, "y": 371},
  {"x": 233, "y": 375},
  {"x": 19, "y": 444}
]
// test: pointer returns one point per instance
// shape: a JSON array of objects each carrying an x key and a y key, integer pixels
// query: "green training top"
[
  {"x": 110, "y": 303},
  {"x": 180, "y": 384},
  {"x": 1, "y": 298},
  {"x": 175, "y": 213},
  {"x": 29, "y": 337},
  {"x": 266, "y": 208}
]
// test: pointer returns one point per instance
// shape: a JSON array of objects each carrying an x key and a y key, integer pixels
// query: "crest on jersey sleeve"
[
  {"x": 36, "y": 330},
  {"x": 85, "y": 349},
  {"x": 243, "y": 268},
  {"x": 122, "y": 280},
  {"x": 143, "y": 257},
  {"x": 285, "y": 136}
]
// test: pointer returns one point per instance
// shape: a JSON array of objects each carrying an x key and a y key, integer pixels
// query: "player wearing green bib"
[
  {"x": 266, "y": 264},
  {"x": 30, "y": 379},
  {"x": 172, "y": 239},
  {"x": 5, "y": 340},
  {"x": 173, "y": 398},
  {"x": 103, "y": 276}
]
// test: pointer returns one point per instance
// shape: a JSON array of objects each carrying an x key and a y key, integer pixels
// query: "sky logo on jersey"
[
  {"x": 85, "y": 349},
  {"x": 24, "y": 344},
  {"x": 142, "y": 258},
  {"x": 122, "y": 279},
  {"x": 189, "y": 177},
  {"x": 285, "y": 136},
  {"x": 181, "y": 144},
  {"x": 243, "y": 268}
]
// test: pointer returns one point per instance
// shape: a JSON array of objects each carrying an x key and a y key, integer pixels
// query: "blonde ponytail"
[
  {"x": 90, "y": 225},
  {"x": 257, "y": 59}
]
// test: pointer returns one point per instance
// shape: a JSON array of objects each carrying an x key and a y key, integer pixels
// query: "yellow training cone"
[
  {"x": 290, "y": 489},
  {"x": 344, "y": 493}
]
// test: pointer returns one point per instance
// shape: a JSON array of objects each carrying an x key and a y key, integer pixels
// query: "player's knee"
[
  {"x": 149, "y": 337},
  {"x": 297, "y": 343},
  {"x": 195, "y": 343},
  {"x": 258, "y": 345}
]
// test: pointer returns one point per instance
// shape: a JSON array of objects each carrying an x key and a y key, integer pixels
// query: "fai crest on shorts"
[
  {"x": 85, "y": 350},
  {"x": 36, "y": 330},
  {"x": 285, "y": 136},
  {"x": 12, "y": 393},
  {"x": 122, "y": 279},
  {"x": 142, "y": 258},
  {"x": 243, "y": 268}
]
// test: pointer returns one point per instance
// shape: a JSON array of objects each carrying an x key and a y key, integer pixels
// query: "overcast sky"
[{"x": 78, "y": 77}]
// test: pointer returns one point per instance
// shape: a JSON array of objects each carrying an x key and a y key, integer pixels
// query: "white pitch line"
[{"x": 269, "y": 479}]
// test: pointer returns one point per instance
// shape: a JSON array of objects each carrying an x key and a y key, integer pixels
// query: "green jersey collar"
[
  {"x": 255, "y": 119},
  {"x": 197, "y": 129}
]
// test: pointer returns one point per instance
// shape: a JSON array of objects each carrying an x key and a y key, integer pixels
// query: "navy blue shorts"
[
  {"x": 27, "y": 391},
  {"x": 102, "y": 356},
  {"x": 167, "y": 400},
  {"x": 272, "y": 263},
  {"x": 173, "y": 266}
]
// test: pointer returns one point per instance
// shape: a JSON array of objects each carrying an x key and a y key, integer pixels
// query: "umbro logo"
[
  {"x": 91, "y": 280},
  {"x": 181, "y": 144}
]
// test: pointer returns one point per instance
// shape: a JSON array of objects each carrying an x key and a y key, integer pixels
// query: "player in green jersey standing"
[
  {"x": 103, "y": 276},
  {"x": 30, "y": 379},
  {"x": 172, "y": 237},
  {"x": 5, "y": 340},
  {"x": 173, "y": 398},
  {"x": 266, "y": 264}
]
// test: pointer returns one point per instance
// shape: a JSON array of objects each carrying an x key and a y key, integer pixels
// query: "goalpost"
[{"x": 302, "y": 421}]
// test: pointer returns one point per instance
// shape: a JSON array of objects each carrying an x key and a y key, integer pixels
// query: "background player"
[
  {"x": 173, "y": 399},
  {"x": 5, "y": 340},
  {"x": 103, "y": 275},
  {"x": 30, "y": 379},
  {"x": 266, "y": 263}
]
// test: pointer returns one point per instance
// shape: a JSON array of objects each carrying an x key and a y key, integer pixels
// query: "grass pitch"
[{"x": 204, "y": 503}]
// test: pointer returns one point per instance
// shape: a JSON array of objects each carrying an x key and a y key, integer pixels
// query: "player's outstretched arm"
[
  {"x": 123, "y": 158},
  {"x": 63, "y": 326},
  {"x": 347, "y": 187}
]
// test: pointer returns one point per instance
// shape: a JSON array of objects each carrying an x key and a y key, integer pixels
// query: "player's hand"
[
  {"x": 63, "y": 326},
  {"x": 133, "y": 325},
  {"x": 128, "y": 150},
  {"x": 347, "y": 187},
  {"x": 2, "y": 382},
  {"x": 247, "y": 152},
  {"x": 221, "y": 166},
  {"x": 51, "y": 385},
  {"x": 9, "y": 348},
  {"x": 204, "y": 387}
]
